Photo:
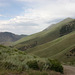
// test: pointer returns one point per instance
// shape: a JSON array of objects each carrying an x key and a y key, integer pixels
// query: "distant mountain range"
[{"x": 6, "y": 37}]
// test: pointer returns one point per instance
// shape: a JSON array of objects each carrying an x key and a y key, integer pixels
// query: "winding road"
[{"x": 69, "y": 70}]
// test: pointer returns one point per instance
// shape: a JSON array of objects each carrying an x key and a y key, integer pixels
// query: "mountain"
[
  {"x": 55, "y": 42},
  {"x": 6, "y": 37},
  {"x": 51, "y": 33},
  {"x": 62, "y": 48}
]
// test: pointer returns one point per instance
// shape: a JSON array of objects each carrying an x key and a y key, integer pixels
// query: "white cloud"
[
  {"x": 35, "y": 18},
  {"x": 1, "y": 15}
]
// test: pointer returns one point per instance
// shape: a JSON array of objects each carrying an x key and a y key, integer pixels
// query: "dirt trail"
[{"x": 69, "y": 70}]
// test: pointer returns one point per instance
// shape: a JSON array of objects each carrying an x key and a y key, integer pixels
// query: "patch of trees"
[
  {"x": 67, "y": 28},
  {"x": 28, "y": 46}
]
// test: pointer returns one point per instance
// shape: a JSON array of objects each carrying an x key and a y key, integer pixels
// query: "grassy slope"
[
  {"x": 49, "y": 42},
  {"x": 15, "y": 62},
  {"x": 42, "y": 37},
  {"x": 57, "y": 48}
]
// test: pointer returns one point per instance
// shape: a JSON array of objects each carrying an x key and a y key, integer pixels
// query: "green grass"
[
  {"x": 49, "y": 42},
  {"x": 15, "y": 60},
  {"x": 56, "y": 49}
]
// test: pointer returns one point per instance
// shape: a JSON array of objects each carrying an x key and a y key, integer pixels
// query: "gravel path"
[{"x": 69, "y": 70}]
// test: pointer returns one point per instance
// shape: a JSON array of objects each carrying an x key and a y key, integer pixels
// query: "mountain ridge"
[
  {"x": 9, "y": 37},
  {"x": 42, "y": 37}
]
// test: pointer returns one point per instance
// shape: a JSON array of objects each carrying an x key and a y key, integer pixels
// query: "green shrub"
[
  {"x": 33, "y": 64},
  {"x": 55, "y": 65},
  {"x": 43, "y": 65},
  {"x": 2, "y": 46},
  {"x": 0, "y": 53},
  {"x": 9, "y": 65}
]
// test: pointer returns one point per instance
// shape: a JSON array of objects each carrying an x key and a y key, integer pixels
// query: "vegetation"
[
  {"x": 56, "y": 42},
  {"x": 30, "y": 72},
  {"x": 67, "y": 28},
  {"x": 57, "y": 49},
  {"x": 15, "y": 60},
  {"x": 56, "y": 66}
]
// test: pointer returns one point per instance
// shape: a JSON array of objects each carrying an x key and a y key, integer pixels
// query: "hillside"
[
  {"x": 62, "y": 48},
  {"x": 51, "y": 33},
  {"x": 6, "y": 37},
  {"x": 55, "y": 42},
  {"x": 13, "y": 60}
]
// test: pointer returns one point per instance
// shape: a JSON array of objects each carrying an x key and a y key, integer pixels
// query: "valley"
[{"x": 42, "y": 53}]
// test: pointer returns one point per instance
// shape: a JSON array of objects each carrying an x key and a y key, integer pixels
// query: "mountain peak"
[{"x": 68, "y": 18}]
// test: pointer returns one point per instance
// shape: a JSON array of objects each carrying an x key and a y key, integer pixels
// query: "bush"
[
  {"x": 2, "y": 46},
  {"x": 43, "y": 65},
  {"x": 8, "y": 65},
  {"x": 55, "y": 65},
  {"x": 33, "y": 64}
]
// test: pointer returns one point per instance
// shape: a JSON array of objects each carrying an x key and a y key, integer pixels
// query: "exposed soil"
[{"x": 69, "y": 70}]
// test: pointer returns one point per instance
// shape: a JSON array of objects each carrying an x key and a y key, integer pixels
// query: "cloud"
[
  {"x": 1, "y": 15},
  {"x": 38, "y": 15}
]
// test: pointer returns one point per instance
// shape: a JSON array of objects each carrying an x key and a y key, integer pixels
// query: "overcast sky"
[{"x": 31, "y": 16}]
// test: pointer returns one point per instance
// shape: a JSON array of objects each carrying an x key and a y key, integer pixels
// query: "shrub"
[
  {"x": 33, "y": 64},
  {"x": 43, "y": 65},
  {"x": 0, "y": 53},
  {"x": 2, "y": 46},
  {"x": 55, "y": 65},
  {"x": 9, "y": 65}
]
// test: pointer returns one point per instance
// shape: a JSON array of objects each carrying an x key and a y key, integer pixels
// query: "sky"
[{"x": 32, "y": 16}]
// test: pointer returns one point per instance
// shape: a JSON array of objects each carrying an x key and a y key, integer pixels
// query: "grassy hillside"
[
  {"x": 62, "y": 48},
  {"x": 45, "y": 36},
  {"x": 13, "y": 60}
]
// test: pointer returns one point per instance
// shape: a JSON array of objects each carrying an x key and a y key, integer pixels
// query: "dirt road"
[{"x": 69, "y": 70}]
